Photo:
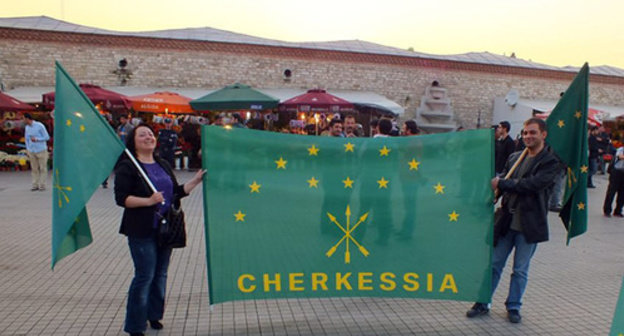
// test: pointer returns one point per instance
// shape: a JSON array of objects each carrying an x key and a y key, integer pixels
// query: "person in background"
[
  {"x": 142, "y": 210},
  {"x": 383, "y": 129},
  {"x": 237, "y": 121},
  {"x": 604, "y": 143},
  {"x": 335, "y": 128},
  {"x": 616, "y": 186},
  {"x": 124, "y": 127},
  {"x": 595, "y": 151},
  {"x": 167, "y": 142},
  {"x": 503, "y": 147},
  {"x": 373, "y": 127},
  {"x": 350, "y": 127},
  {"x": 410, "y": 128},
  {"x": 190, "y": 133},
  {"x": 36, "y": 137}
]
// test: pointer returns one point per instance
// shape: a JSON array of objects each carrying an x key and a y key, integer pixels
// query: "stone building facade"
[{"x": 27, "y": 59}]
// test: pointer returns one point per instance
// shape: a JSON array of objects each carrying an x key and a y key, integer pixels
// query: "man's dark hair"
[
  {"x": 412, "y": 127},
  {"x": 541, "y": 124},
  {"x": 238, "y": 117},
  {"x": 506, "y": 125},
  {"x": 334, "y": 122},
  {"x": 385, "y": 126},
  {"x": 374, "y": 123},
  {"x": 28, "y": 116}
]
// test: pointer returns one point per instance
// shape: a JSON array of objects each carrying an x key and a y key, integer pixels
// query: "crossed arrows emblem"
[
  {"x": 61, "y": 190},
  {"x": 347, "y": 235}
]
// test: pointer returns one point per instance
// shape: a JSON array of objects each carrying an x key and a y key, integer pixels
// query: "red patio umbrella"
[
  {"x": 316, "y": 100},
  {"x": 161, "y": 102},
  {"x": 8, "y": 103},
  {"x": 111, "y": 101}
]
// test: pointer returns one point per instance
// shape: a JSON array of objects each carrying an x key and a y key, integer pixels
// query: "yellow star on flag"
[
  {"x": 453, "y": 216},
  {"x": 383, "y": 183},
  {"x": 581, "y": 206},
  {"x": 240, "y": 217},
  {"x": 68, "y": 122},
  {"x": 348, "y": 183},
  {"x": 413, "y": 164},
  {"x": 349, "y": 147},
  {"x": 281, "y": 163},
  {"x": 583, "y": 169},
  {"x": 561, "y": 123},
  {"x": 82, "y": 128},
  {"x": 439, "y": 188},
  {"x": 384, "y": 151},
  {"x": 313, "y": 150},
  {"x": 313, "y": 182},
  {"x": 255, "y": 187},
  {"x": 578, "y": 114}
]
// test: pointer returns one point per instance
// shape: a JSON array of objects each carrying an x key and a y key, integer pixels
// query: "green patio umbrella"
[{"x": 234, "y": 97}]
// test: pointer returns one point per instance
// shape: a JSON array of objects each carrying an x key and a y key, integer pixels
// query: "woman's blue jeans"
[
  {"x": 522, "y": 258},
  {"x": 146, "y": 297}
]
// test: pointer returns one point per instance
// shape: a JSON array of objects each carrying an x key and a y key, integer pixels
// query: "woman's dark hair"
[{"x": 130, "y": 138}]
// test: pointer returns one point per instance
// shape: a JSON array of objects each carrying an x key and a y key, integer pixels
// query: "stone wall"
[{"x": 472, "y": 88}]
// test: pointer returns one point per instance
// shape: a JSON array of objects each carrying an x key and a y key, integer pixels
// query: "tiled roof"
[{"x": 216, "y": 35}]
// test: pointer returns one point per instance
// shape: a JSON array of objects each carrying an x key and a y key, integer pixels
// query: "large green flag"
[
  {"x": 617, "y": 326},
  {"x": 291, "y": 216},
  {"x": 85, "y": 151},
  {"x": 567, "y": 135}
]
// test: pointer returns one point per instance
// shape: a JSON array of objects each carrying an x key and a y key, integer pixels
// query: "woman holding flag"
[{"x": 146, "y": 296}]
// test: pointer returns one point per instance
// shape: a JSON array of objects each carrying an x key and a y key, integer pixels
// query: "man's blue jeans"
[
  {"x": 522, "y": 258},
  {"x": 146, "y": 297}
]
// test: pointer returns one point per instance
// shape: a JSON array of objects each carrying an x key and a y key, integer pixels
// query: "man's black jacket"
[{"x": 533, "y": 190}]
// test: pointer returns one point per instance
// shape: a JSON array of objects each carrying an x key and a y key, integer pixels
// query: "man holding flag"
[
  {"x": 523, "y": 224},
  {"x": 523, "y": 220}
]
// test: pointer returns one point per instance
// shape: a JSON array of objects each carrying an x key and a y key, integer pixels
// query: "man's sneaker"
[
  {"x": 34, "y": 188},
  {"x": 477, "y": 310},
  {"x": 514, "y": 315}
]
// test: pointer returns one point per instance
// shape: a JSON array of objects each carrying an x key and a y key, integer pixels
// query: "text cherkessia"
[{"x": 361, "y": 281}]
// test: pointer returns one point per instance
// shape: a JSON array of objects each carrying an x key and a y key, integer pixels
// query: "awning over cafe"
[
  {"x": 32, "y": 94},
  {"x": 358, "y": 98}
]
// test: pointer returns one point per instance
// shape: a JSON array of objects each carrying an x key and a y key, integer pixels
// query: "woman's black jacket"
[{"x": 139, "y": 222}]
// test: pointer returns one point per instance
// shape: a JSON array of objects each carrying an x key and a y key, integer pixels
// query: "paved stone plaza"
[{"x": 572, "y": 290}]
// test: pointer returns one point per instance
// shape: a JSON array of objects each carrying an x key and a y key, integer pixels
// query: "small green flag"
[
  {"x": 617, "y": 326},
  {"x": 85, "y": 151},
  {"x": 567, "y": 135},
  {"x": 290, "y": 216}
]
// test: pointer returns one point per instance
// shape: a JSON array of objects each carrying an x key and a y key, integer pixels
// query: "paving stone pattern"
[{"x": 572, "y": 290}]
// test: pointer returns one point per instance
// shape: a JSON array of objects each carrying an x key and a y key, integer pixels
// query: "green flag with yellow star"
[
  {"x": 291, "y": 216},
  {"x": 617, "y": 326},
  {"x": 85, "y": 151},
  {"x": 567, "y": 136}
]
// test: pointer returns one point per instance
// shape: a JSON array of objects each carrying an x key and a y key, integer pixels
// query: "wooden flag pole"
[{"x": 511, "y": 171}]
